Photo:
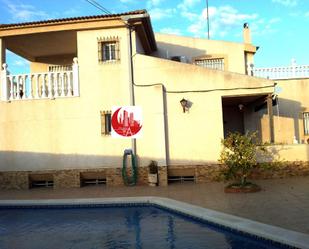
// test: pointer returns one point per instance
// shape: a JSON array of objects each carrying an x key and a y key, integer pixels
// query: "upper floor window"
[
  {"x": 108, "y": 51},
  {"x": 213, "y": 63}
]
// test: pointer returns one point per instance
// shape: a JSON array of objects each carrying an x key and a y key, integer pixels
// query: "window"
[
  {"x": 217, "y": 63},
  {"x": 306, "y": 122},
  {"x": 108, "y": 51},
  {"x": 106, "y": 121}
]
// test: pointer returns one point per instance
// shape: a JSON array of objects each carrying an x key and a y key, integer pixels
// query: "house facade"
[{"x": 54, "y": 120}]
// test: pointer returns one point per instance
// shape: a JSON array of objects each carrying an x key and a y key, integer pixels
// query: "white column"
[
  {"x": 293, "y": 65},
  {"x": 37, "y": 86},
  {"x": 69, "y": 83},
  {"x": 62, "y": 84},
  {"x": 18, "y": 81},
  {"x": 50, "y": 85},
  {"x": 44, "y": 85},
  {"x": 56, "y": 88},
  {"x": 4, "y": 84},
  {"x": 30, "y": 93},
  {"x": 12, "y": 94},
  {"x": 75, "y": 77},
  {"x": 24, "y": 78}
]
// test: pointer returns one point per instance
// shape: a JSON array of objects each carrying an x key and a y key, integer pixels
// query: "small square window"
[
  {"x": 306, "y": 122},
  {"x": 108, "y": 51},
  {"x": 106, "y": 122}
]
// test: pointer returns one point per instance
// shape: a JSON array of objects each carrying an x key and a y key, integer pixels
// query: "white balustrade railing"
[
  {"x": 290, "y": 72},
  {"x": 40, "y": 85}
]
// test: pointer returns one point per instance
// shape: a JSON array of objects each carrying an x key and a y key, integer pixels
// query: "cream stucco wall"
[
  {"x": 193, "y": 137},
  {"x": 173, "y": 45},
  {"x": 288, "y": 119},
  {"x": 66, "y": 133},
  {"x": 293, "y": 101}
]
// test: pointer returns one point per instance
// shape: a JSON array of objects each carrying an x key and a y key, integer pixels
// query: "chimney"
[{"x": 247, "y": 33}]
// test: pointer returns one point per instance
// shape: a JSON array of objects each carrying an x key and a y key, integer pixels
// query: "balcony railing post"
[
  {"x": 4, "y": 83},
  {"x": 75, "y": 77},
  {"x": 293, "y": 65}
]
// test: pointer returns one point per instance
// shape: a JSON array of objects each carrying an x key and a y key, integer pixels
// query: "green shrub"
[{"x": 239, "y": 155}]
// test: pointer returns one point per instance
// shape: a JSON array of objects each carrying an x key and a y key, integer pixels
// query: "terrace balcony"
[
  {"x": 50, "y": 52},
  {"x": 293, "y": 71},
  {"x": 57, "y": 82}
]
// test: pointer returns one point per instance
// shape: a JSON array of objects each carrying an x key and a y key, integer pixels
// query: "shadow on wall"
[
  {"x": 290, "y": 109},
  {"x": 167, "y": 50},
  {"x": 286, "y": 153},
  {"x": 19, "y": 161},
  {"x": 284, "y": 130}
]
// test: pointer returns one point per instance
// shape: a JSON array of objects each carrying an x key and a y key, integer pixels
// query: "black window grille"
[
  {"x": 108, "y": 51},
  {"x": 106, "y": 122}
]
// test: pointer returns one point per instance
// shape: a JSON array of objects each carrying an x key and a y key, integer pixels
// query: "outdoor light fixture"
[
  {"x": 184, "y": 104},
  {"x": 241, "y": 107}
]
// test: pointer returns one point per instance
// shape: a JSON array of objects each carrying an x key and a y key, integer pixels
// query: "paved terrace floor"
[{"x": 282, "y": 202}]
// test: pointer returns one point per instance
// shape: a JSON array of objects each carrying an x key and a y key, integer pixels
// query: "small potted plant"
[{"x": 153, "y": 173}]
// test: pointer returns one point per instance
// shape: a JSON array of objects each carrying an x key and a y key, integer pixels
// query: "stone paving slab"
[{"x": 282, "y": 202}]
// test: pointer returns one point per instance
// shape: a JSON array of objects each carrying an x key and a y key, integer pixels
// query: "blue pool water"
[{"x": 115, "y": 228}]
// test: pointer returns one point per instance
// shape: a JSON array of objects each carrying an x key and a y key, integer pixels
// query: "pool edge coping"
[{"x": 270, "y": 232}]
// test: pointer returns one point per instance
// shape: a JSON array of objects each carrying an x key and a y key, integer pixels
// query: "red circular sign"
[{"x": 124, "y": 124}]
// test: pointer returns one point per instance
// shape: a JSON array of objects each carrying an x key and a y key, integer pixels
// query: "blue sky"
[{"x": 279, "y": 27}]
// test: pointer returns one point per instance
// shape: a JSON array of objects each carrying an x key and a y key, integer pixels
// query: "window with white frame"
[
  {"x": 108, "y": 51},
  {"x": 306, "y": 122},
  {"x": 213, "y": 63}
]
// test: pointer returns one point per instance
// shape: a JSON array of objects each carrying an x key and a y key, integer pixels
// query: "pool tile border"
[{"x": 242, "y": 225}]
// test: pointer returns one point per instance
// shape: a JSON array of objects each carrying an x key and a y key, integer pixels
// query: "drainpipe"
[
  {"x": 126, "y": 19},
  {"x": 131, "y": 79}
]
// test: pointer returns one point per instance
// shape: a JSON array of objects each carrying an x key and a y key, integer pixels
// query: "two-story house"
[{"x": 54, "y": 122}]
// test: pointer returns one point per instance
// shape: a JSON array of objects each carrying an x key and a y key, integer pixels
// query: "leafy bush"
[{"x": 239, "y": 155}]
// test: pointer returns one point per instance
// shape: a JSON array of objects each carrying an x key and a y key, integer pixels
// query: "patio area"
[{"x": 282, "y": 202}]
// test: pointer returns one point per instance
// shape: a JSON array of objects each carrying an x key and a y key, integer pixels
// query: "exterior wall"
[
  {"x": 37, "y": 67},
  {"x": 233, "y": 120},
  {"x": 137, "y": 45},
  {"x": 192, "y": 137},
  {"x": 288, "y": 120},
  {"x": 201, "y": 173},
  {"x": 66, "y": 133},
  {"x": 257, "y": 121},
  {"x": 172, "y": 45},
  {"x": 290, "y": 153},
  {"x": 293, "y": 101}
]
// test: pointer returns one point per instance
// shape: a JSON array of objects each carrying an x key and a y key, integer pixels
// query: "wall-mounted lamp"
[
  {"x": 184, "y": 104},
  {"x": 241, "y": 107}
]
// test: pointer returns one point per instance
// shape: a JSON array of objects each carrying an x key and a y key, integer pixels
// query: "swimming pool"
[{"x": 111, "y": 225}]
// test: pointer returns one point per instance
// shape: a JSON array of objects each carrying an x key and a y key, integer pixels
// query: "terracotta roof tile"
[{"x": 71, "y": 19}]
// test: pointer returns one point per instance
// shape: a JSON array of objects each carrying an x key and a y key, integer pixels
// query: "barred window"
[
  {"x": 217, "y": 63},
  {"x": 306, "y": 122},
  {"x": 108, "y": 51},
  {"x": 106, "y": 122}
]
